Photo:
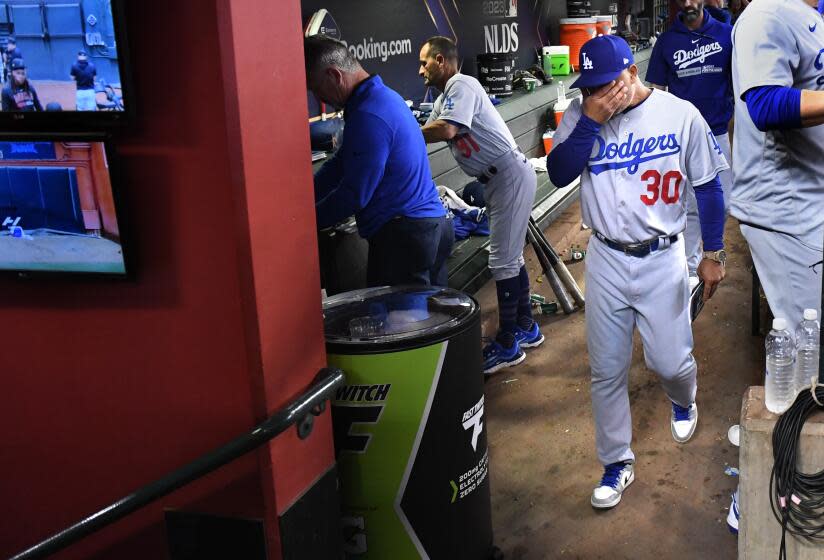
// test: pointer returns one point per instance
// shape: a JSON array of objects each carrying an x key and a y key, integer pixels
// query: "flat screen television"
[
  {"x": 58, "y": 209},
  {"x": 64, "y": 65}
]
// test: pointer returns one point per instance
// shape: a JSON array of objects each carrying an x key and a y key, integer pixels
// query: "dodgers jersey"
[
  {"x": 632, "y": 188},
  {"x": 779, "y": 174},
  {"x": 696, "y": 66},
  {"x": 483, "y": 136}
]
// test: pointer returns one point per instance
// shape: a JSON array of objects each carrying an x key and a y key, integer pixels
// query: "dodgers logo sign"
[{"x": 587, "y": 62}]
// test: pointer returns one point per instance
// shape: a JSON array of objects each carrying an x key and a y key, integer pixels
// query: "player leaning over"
[
  {"x": 484, "y": 148},
  {"x": 636, "y": 149}
]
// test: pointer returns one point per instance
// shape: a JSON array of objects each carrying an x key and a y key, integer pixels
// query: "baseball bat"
[
  {"x": 558, "y": 265},
  {"x": 551, "y": 276}
]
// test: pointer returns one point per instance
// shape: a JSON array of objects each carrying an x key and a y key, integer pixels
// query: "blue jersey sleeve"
[
  {"x": 346, "y": 184},
  {"x": 774, "y": 107},
  {"x": 568, "y": 159},
  {"x": 710, "y": 200},
  {"x": 657, "y": 69}
]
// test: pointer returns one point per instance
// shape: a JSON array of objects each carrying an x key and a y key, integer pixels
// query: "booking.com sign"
[{"x": 371, "y": 49}]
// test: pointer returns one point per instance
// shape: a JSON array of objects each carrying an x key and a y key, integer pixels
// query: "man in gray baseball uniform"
[
  {"x": 464, "y": 117},
  {"x": 778, "y": 153},
  {"x": 637, "y": 150}
]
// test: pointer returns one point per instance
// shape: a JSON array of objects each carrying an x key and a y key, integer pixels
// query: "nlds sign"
[{"x": 501, "y": 38}]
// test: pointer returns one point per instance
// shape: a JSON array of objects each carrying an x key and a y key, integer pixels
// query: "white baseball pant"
[{"x": 623, "y": 292}]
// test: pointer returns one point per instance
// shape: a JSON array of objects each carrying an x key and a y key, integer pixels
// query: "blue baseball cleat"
[
  {"x": 529, "y": 338},
  {"x": 497, "y": 357}
]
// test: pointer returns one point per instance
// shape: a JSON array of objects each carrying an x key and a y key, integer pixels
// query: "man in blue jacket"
[
  {"x": 693, "y": 61},
  {"x": 380, "y": 173}
]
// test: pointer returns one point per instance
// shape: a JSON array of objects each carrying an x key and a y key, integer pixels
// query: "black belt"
[
  {"x": 487, "y": 175},
  {"x": 641, "y": 249}
]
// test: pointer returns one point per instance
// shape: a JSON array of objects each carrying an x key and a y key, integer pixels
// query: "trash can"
[
  {"x": 496, "y": 71},
  {"x": 409, "y": 426}
]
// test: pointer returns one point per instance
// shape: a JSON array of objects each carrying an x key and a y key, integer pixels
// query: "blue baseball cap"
[{"x": 601, "y": 60}]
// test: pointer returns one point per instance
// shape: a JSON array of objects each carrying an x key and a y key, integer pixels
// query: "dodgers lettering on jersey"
[
  {"x": 483, "y": 136},
  {"x": 697, "y": 66},
  {"x": 779, "y": 174},
  {"x": 684, "y": 59},
  {"x": 633, "y": 152},
  {"x": 633, "y": 186}
]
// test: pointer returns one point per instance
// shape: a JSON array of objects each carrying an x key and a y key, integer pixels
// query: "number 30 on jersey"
[{"x": 666, "y": 187}]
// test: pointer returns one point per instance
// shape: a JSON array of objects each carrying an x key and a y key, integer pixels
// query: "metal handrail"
[{"x": 301, "y": 412}]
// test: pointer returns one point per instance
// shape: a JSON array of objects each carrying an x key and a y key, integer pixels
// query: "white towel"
[{"x": 539, "y": 164}]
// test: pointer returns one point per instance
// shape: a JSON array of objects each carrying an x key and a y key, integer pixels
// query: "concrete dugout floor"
[{"x": 541, "y": 432}]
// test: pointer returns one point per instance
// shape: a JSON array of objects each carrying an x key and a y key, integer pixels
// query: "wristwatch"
[{"x": 719, "y": 256}]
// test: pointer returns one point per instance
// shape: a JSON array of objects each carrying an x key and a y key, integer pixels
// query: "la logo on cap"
[{"x": 587, "y": 61}]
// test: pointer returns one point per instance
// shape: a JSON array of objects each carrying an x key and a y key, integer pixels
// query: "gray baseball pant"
[
  {"x": 509, "y": 195},
  {"x": 623, "y": 292},
  {"x": 784, "y": 264}
]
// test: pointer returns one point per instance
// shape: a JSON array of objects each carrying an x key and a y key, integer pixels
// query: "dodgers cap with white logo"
[{"x": 601, "y": 60}]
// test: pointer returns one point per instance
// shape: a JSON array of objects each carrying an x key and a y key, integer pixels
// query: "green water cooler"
[{"x": 410, "y": 428}]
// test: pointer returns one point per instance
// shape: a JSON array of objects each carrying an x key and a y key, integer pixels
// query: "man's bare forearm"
[{"x": 439, "y": 131}]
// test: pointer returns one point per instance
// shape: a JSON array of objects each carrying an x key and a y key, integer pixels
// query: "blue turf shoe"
[
  {"x": 530, "y": 338},
  {"x": 683, "y": 422},
  {"x": 617, "y": 476},
  {"x": 497, "y": 356}
]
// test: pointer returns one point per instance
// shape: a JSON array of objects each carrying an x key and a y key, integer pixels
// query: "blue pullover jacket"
[{"x": 381, "y": 170}]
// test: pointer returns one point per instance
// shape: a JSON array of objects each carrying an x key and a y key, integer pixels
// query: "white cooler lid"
[{"x": 577, "y": 20}]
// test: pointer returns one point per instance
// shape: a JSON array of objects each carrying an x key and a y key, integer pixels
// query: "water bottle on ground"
[
  {"x": 808, "y": 341},
  {"x": 779, "y": 385}
]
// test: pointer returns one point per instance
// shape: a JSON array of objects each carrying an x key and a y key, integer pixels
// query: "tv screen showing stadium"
[
  {"x": 59, "y": 56},
  {"x": 57, "y": 209}
]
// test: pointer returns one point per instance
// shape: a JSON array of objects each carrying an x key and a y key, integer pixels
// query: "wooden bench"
[{"x": 527, "y": 116}]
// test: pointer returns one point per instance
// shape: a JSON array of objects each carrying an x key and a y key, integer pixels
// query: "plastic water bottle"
[
  {"x": 807, "y": 339},
  {"x": 779, "y": 384}
]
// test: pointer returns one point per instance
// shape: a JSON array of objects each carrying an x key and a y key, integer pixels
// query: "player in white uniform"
[
  {"x": 483, "y": 146},
  {"x": 636, "y": 150},
  {"x": 778, "y": 153}
]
